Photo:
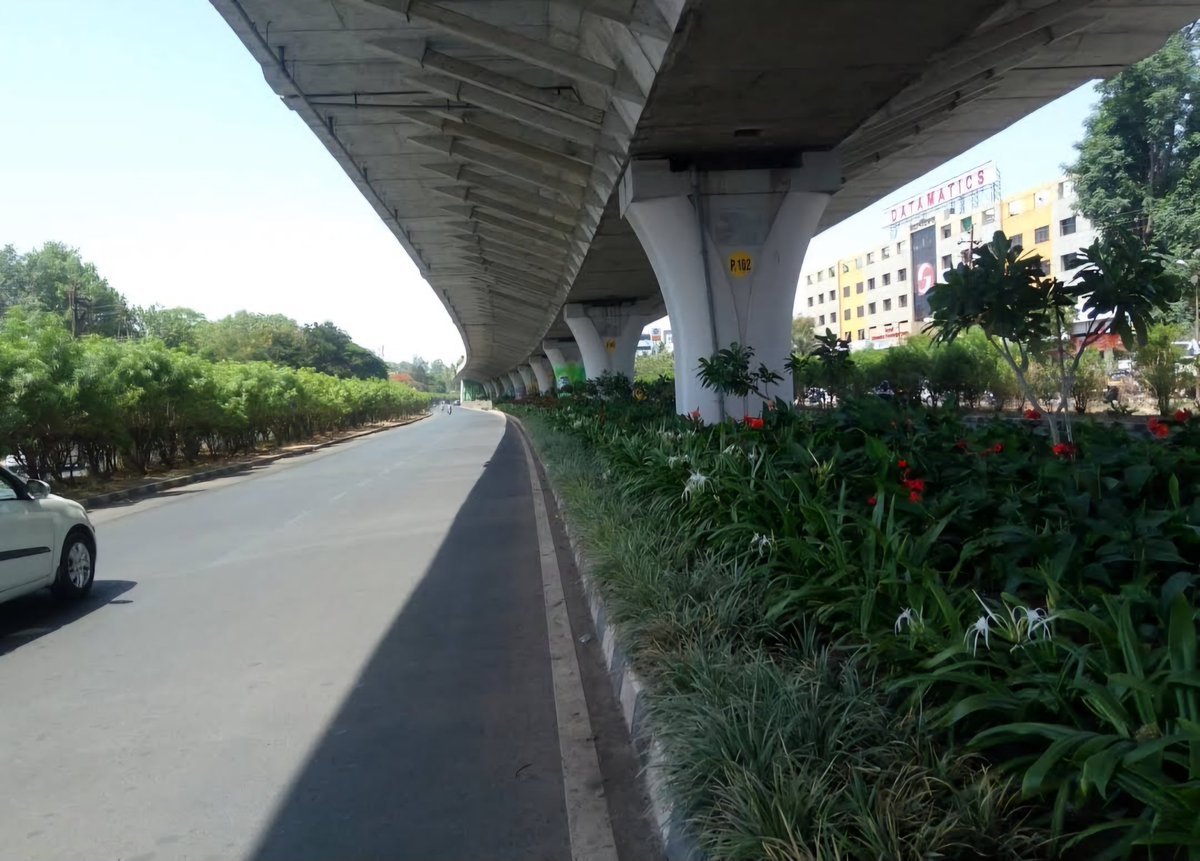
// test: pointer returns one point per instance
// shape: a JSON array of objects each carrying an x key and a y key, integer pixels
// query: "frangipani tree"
[{"x": 1026, "y": 314}]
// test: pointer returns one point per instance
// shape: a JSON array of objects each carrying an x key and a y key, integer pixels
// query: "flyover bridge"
[{"x": 563, "y": 171}]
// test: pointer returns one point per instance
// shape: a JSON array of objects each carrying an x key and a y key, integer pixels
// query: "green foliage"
[
  {"x": 54, "y": 279},
  {"x": 728, "y": 372},
  {"x": 1158, "y": 366},
  {"x": 133, "y": 404},
  {"x": 804, "y": 335},
  {"x": 962, "y": 613},
  {"x": 659, "y": 365},
  {"x": 1137, "y": 165},
  {"x": 1123, "y": 286}
]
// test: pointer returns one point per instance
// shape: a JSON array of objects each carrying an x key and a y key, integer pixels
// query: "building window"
[
  {"x": 858, "y": 262},
  {"x": 1071, "y": 261},
  {"x": 820, "y": 298},
  {"x": 1014, "y": 207},
  {"x": 1045, "y": 266},
  {"x": 887, "y": 278},
  {"x": 833, "y": 316},
  {"x": 1064, "y": 188},
  {"x": 1042, "y": 234},
  {"x": 947, "y": 263},
  {"x": 809, "y": 279},
  {"x": 887, "y": 304},
  {"x": 904, "y": 300},
  {"x": 832, "y": 295},
  {"x": 965, "y": 224},
  {"x": 1016, "y": 241},
  {"x": 989, "y": 216},
  {"x": 870, "y": 283},
  {"x": 885, "y": 253},
  {"x": 821, "y": 320},
  {"x": 945, "y": 231},
  {"x": 1067, "y": 226},
  {"x": 845, "y": 268},
  {"x": 871, "y": 308},
  {"x": 858, "y": 288},
  {"x": 902, "y": 275},
  {"x": 900, "y": 247},
  {"x": 830, "y": 271},
  {"x": 862, "y": 334},
  {"x": 870, "y": 257},
  {"x": 821, "y": 275},
  {"x": 846, "y": 290},
  {"x": 860, "y": 312},
  {"x": 847, "y": 336},
  {"x": 810, "y": 300}
]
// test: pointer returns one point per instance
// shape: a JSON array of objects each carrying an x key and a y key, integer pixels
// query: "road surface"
[{"x": 342, "y": 655}]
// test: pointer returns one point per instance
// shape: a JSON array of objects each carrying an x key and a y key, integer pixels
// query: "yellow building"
[
  {"x": 845, "y": 297},
  {"x": 1027, "y": 218},
  {"x": 870, "y": 297}
]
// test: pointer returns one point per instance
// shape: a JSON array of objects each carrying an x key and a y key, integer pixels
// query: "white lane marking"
[{"x": 588, "y": 824}]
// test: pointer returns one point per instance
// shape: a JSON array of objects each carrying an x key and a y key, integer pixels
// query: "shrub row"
[{"x": 131, "y": 404}]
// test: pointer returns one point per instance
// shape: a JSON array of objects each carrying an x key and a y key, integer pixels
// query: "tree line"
[
  {"x": 55, "y": 280},
  {"x": 87, "y": 379}
]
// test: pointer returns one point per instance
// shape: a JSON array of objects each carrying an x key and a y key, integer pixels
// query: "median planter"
[{"x": 896, "y": 593}]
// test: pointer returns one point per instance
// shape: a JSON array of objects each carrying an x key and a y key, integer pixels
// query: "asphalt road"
[{"x": 342, "y": 655}]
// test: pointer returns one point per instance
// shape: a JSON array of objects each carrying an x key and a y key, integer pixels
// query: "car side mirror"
[{"x": 37, "y": 488}]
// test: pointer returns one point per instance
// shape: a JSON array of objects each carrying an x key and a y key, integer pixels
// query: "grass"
[{"x": 779, "y": 750}]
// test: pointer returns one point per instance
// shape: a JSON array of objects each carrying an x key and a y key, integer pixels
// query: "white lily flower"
[
  {"x": 1033, "y": 619},
  {"x": 981, "y": 628},
  {"x": 908, "y": 616},
  {"x": 696, "y": 482},
  {"x": 730, "y": 449},
  {"x": 761, "y": 544},
  {"x": 677, "y": 459}
]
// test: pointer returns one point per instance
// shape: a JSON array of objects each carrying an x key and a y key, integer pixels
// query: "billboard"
[
  {"x": 924, "y": 270},
  {"x": 969, "y": 182}
]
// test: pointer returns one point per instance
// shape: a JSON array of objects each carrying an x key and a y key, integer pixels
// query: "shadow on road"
[
  {"x": 447, "y": 747},
  {"x": 25, "y": 619}
]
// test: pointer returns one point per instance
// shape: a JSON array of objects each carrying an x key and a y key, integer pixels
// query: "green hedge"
[{"x": 127, "y": 405}]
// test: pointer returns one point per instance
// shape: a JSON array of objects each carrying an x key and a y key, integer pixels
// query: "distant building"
[
  {"x": 876, "y": 297},
  {"x": 653, "y": 339}
]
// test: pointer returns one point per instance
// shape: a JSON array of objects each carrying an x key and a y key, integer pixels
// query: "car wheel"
[{"x": 76, "y": 568}]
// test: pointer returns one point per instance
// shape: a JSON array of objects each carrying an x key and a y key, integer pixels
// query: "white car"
[{"x": 45, "y": 540}]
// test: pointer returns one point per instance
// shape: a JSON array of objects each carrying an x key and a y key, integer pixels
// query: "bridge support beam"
[
  {"x": 527, "y": 377},
  {"x": 567, "y": 362},
  {"x": 544, "y": 373},
  {"x": 516, "y": 384},
  {"x": 727, "y": 247},
  {"x": 607, "y": 335}
]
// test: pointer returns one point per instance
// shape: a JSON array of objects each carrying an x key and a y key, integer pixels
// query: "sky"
[{"x": 142, "y": 133}]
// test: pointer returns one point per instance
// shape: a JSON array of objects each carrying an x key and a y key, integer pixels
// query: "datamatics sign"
[
  {"x": 919, "y": 205},
  {"x": 924, "y": 269}
]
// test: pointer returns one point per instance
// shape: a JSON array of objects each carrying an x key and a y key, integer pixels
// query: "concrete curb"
[
  {"x": 677, "y": 838},
  {"x": 142, "y": 491}
]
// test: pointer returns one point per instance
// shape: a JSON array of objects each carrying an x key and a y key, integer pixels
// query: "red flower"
[
  {"x": 903, "y": 464},
  {"x": 1032, "y": 414},
  {"x": 914, "y": 497},
  {"x": 997, "y": 448},
  {"x": 1065, "y": 449},
  {"x": 695, "y": 414},
  {"x": 755, "y": 424},
  {"x": 871, "y": 501},
  {"x": 961, "y": 445},
  {"x": 1183, "y": 416},
  {"x": 1157, "y": 428},
  {"x": 914, "y": 483}
]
